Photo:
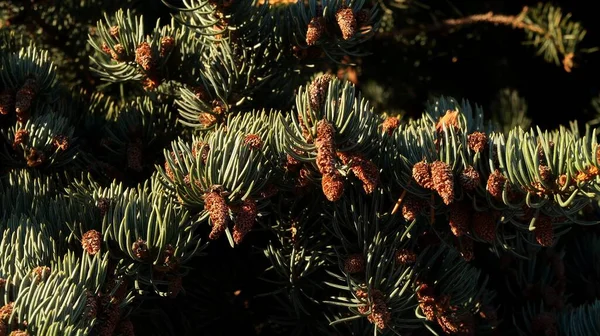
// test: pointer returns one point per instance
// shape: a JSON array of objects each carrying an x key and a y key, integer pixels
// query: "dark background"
[{"x": 490, "y": 58}]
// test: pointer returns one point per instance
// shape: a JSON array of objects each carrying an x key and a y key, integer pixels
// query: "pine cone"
[
  {"x": 201, "y": 148},
  {"x": 380, "y": 315},
  {"x": 166, "y": 45},
  {"x": 484, "y": 226},
  {"x": 253, "y": 141},
  {"x": 6, "y": 311},
  {"x": 91, "y": 242},
  {"x": 7, "y": 102},
  {"x": 421, "y": 172},
  {"x": 60, "y": 142},
  {"x": 140, "y": 249},
  {"x": 103, "y": 205},
  {"x": 477, "y": 141},
  {"x": 117, "y": 53},
  {"x": 347, "y": 22},
  {"x": 114, "y": 31},
  {"x": 324, "y": 144},
  {"x": 24, "y": 98},
  {"x": 41, "y": 273},
  {"x": 406, "y": 257},
  {"x": 315, "y": 30},
  {"x": 390, "y": 124},
  {"x": 469, "y": 178},
  {"x": 21, "y": 137},
  {"x": 363, "y": 169},
  {"x": 143, "y": 56},
  {"x": 35, "y": 157},
  {"x": 443, "y": 181},
  {"x": 495, "y": 184},
  {"x": 450, "y": 119},
  {"x": 459, "y": 218},
  {"x": 411, "y": 208},
  {"x": 244, "y": 220},
  {"x": 333, "y": 186},
  {"x": 354, "y": 263},
  {"x": 218, "y": 212},
  {"x": 317, "y": 91},
  {"x": 545, "y": 174}
]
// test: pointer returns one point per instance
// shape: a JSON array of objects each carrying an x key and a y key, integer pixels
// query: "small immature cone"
[
  {"x": 443, "y": 181},
  {"x": 354, "y": 263},
  {"x": 545, "y": 174},
  {"x": 477, "y": 141},
  {"x": 316, "y": 26},
  {"x": 427, "y": 301},
  {"x": 114, "y": 31},
  {"x": 363, "y": 169},
  {"x": 450, "y": 119},
  {"x": 317, "y": 91},
  {"x": 19, "y": 332},
  {"x": 305, "y": 132},
  {"x": 201, "y": 148},
  {"x": 325, "y": 143},
  {"x": 333, "y": 186},
  {"x": 7, "y": 102},
  {"x": 411, "y": 208},
  {"x": 390, "y": 124},
  {"x": 303, "y": 180},
  {"x": 544, "y": 233},
  {"x": 91, "y": 305},
  {"x": 244, "y": 220},
  {"x": 117, "y": 53},
  {"x": 166, "y": 45},
  {"x": 484, "y": 226},
  {"x": 6, "y": 311},
  {"x": 24, "y": 98},
  {"x": 347, "y": 22},
  {"x": 495, "y": 184},
  {"x": 459, "y": 218},
  {"x": 35, "y": 157},
  {"x": 454, "y": 323},
  {"x": 421, "y": 173},
  {"x": 60, "y": 142},
  {"x": 332, "y": 181},
  {"x": 21, "y": 137},
  {"x": 151, "y": 82},
  {"x": 91, "y": 242},
  {"x": 41, "y": 273},
  {"x": 469, "y": 178},
  {"x": 406, "y": 257},
  {"x": 103, "y": 205},
  {"x": 140, "y": 249},
  {"x": 218, "y": 212},
  {"x": 253, "y": 141},
  {"x": 143, "y": 56},
  {"x": 380, "y": 315}
]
